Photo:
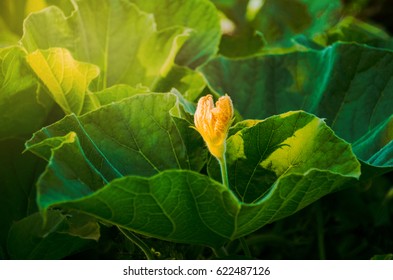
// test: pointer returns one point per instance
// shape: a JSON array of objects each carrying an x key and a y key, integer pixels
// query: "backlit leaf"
[
  {"x": 23, "y": 107},
  {"x": 182, "y": 205},
  {"x": 114, "y": 35},
  {"x": 66, "y": 79},
  {"x": 136, "y": 136},
  {"x": 198, "y": 15},
  {"x": 349, "y": 85}
]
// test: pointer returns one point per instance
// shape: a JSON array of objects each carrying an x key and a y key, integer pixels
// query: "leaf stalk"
[
  {"x": 138, "y": 242},
  {"x": 224, "y": 171}
]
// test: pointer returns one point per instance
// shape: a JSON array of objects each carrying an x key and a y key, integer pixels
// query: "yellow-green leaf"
[{"x": 66, "y": 79}]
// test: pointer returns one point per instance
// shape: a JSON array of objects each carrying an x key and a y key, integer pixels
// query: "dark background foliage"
[
  {"x": 379, "y": 12},
  {"x": 356, "y": 223}
]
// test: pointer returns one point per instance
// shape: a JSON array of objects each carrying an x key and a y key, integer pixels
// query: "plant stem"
[
  {"x": 321, "y": 233},
  {"x": 224, "y": 171},
  {"x": 138, "y": 242},
  {"x": 245, "y": 247},
  {"x": 220, "y": 252}
]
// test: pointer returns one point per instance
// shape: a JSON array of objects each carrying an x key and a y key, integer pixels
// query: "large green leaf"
[
  {"x": 23, "y": 108},
  {"x": 349, "y": 85},
  {"x": 114, "y": 35},
  {"x": 67, "y": 80},
  {"x": 182, "y": 205},
  {"x": 176, "y": 205},
  {"x": 138, "y": 135},
  {"x": 280, "y": 165},
  {"x": 288, "y": 144},
  {"x": 199, "y": 15}
]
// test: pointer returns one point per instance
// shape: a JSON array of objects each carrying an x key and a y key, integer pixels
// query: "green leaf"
[
  {"x": 245, "y": 44},
  {"x": 379, "y": 136},
  {"x": 273, "y": 26},
  {"x": 349, "y": 85},
  {"x": 280, "y": 165},
  {"x": 350, "y": 29},
  {"x": 81, "y": 225},
  {"x": 281, "y": 20},
  {"x": 137, "y": 136},
  {"x": 176, "y": 205},
  {"x": 14, "y": 12},
  {"x": 31, "y": 238},
  {"x": 198, "y": 15},
  {"x": 185, "y": 206},
  {"x": 114, "y": 35},
  {"x": 109, "y": 95},
  {"x": 66, "y": 79},
  {"x": 291, "y": 144},
  {"x": 23, "y": 108},
  {"x": 65, "y": 5},
  {"x": 188, "y": 82},
  {"x": 7, "y": 37},
  {"x": 239, "y": 38}
]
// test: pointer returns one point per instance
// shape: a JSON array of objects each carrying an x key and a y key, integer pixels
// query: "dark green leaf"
[
  {"x": 245, "y": 44},
  {"x": 281, "y": 20},
  {"x": 182, "y": 205},
  {"x": 349, "y": 85},
  {"x": 32, "y": 238},
  {"x": 177, "y": 205},
  {"x": 136, "y": 136},
  {"x": 273, "y": 25},
  {"x": 351, "y": 29}
]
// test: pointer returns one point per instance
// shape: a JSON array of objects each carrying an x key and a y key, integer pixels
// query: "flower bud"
[{"x": 213, "y": 122}]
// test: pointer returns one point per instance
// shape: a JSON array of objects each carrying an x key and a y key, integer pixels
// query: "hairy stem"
[
  {"x": 224, "y": 171},
  {"x": 220, "y": 252},
  {"x": 138, "y": 242},
  {"x": 245, "y": 247}
]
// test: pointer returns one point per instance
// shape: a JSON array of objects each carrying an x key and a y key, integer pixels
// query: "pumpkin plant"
[{"x": 112, "y": 145}]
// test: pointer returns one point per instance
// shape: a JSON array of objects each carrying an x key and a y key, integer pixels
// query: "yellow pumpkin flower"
[{"x": 213, "y": 122}]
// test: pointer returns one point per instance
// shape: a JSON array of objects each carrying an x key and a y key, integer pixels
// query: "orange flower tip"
[{"x": 213, "y": 122}]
